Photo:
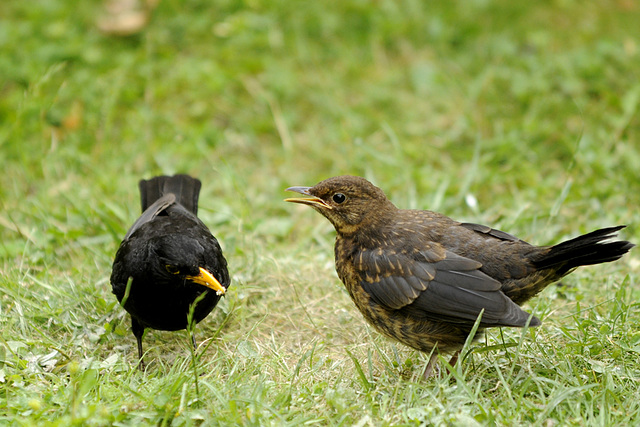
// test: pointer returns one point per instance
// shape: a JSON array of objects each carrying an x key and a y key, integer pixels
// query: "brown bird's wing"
[
  {"x": 484, "y": 229},
  {"x": 437, "y": 284}
]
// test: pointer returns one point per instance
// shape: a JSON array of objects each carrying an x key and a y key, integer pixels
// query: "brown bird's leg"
[
  {"x": 138, "y": 332},
  {"x": 454, "y": 358},
  {"x": 429, "y": 370},
  {"x": 432, "y": 367}
]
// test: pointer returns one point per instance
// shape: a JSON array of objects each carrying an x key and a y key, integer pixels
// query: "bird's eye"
[
  {"x": 172, "y": 269},
  {"x": 339, "y": 198}
]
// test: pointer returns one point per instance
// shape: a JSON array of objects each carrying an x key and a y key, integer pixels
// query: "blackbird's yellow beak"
[
  {"x": 312, "y": 201},
  {"x": 206, "y": 279}
]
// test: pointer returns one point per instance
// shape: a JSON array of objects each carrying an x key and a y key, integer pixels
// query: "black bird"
[
  {"x": 167, "y": 259},
  {"x": 423, "y": 279}
]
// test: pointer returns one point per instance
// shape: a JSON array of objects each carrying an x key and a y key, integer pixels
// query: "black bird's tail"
[
  {"x": 587, "y": 249},
  {"x": 185, "y": 188}
]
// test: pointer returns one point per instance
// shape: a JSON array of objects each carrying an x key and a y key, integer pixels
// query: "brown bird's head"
[{"x": 349, "y": 202}]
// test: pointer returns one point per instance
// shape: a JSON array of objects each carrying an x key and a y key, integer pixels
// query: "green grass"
[{"x": 529, "y": 110}]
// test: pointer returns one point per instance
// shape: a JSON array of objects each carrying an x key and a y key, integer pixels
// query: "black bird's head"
[
  {"x": 349, "y": 202},
  {"x": 180, "y": 259}
]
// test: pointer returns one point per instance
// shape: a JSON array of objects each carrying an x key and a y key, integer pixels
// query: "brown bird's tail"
[
  {"x": 587, "y": 249},
  {"x": 185, "y": 188}
]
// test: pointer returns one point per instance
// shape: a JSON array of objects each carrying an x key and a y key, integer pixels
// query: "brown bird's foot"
[
  {"x": 433, "y": 369},
  {"x": 454, "y": 359}
]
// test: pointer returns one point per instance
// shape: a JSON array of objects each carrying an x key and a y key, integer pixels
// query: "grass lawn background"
[{"x": 521, "y": 116}]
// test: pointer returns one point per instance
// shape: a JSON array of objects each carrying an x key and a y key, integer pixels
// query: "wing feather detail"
[{"x": 436, "y": 284}]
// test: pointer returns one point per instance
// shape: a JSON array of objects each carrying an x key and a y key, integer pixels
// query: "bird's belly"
[
  {"x": 168, "y": 310},
  {"x": 419, "y": 334}
]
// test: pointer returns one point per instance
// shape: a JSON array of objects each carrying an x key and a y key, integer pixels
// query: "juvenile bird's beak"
[
  {"x": 206, "y": 279},
  {"x": 313, "y": 201}
]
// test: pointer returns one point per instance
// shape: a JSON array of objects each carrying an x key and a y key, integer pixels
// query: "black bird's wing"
[
  {"x": 151, "y": 212},
  {"x": 436, "y": 283}
]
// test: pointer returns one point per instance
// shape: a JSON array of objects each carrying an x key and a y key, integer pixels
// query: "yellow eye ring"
[{"x": 172, "y": 269}]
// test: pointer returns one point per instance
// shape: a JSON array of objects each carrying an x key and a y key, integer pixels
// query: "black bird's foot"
[{"x": 138, "y": 332}]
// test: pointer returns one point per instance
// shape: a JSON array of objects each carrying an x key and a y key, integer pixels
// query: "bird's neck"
[{"x": 373, "y": 226}]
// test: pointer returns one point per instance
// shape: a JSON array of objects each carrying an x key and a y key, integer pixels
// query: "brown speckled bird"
[{"x": 423, "y": 279}]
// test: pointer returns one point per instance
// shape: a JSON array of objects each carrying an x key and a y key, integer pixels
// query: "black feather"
[
  {"x": 587, "y": 249},
  {"x": 185, "y": 188}
]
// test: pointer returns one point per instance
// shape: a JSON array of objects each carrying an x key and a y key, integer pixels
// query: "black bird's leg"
[
  {"x": 193, "y": 341},
  {"x": 138, "y": 332}
]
